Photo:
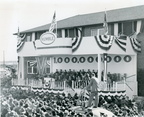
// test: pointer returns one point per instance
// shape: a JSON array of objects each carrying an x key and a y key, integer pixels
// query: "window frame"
[{"x": 32, "y": 68}]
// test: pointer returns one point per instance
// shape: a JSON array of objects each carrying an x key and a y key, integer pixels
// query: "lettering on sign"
[
  {"x": 91, "y": 59},
  {"x": 47, "y": 38}
]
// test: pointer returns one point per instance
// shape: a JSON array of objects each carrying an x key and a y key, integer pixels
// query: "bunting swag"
[
  {"x": 41, "y": 64},
  {"x": 121, "y": 41},
  {"x": 76, "y": 41},
  {"x": 104, "y": 41},
  {"x": 20, "y": 42},
  {"x": 135, "y": 43}
]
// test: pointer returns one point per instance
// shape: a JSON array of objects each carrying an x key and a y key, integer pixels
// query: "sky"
[{"x": 27, "y": 14}]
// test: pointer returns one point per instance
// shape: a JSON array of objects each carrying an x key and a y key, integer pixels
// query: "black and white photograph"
[{"x": 71, "y": 58}]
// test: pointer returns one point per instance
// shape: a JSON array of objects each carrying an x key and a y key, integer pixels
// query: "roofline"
[{"x": 27, "y": 31}]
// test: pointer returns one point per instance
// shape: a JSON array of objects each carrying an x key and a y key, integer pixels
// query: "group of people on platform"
[
  {"x": 83, "y": 77},
  {"x": 26, "y": 103}
]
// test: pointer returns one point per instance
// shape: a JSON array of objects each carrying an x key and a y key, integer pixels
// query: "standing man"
[{"x": 92, "y": 88}]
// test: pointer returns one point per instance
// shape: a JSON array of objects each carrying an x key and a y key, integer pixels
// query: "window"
[
  {"x": 71, "y": 32},
  {"x": 47, "y": 67},
  {"x": 59, "y": 33},
  {"x": 93, "y": 32},
  {"x": 38, "y": 34},
  {"x": 120, "y": 28},
  {"x": 66, "y": 33},
  {"x": 28, "y": 38},
  {"x": 134, "y": 25},
  {"x": 101, "y": 31},
  {"x": 31, "y": 67},
  {"x": 47, "y": 70},
  {"x": 127, "y": 28}
]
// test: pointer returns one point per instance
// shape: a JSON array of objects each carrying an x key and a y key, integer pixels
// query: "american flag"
[
  {"x": 53, "y": 23},
  {"x": 105, "y": 25},
  {"x": 20, "y": 40}
]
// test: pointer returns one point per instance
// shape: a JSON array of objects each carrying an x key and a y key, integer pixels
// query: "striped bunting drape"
[
  {"x": 121, "y": 41},
  {"x": 20, "y": 41},
  {"x": 76, "y": 41},
  {"x": 104, "y": 41},
  {"x": 41, "y": 64},
  {"x": 135, "y": 43}
]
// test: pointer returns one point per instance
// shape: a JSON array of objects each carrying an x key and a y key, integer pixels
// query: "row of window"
[{"x": 126, "y": 28}]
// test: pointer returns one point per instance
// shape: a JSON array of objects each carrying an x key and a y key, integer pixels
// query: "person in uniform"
[{"x": 92, "y": 89}]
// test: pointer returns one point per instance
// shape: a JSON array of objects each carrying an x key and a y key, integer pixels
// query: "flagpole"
[
  {"x": 105, "y": 66},
  {"x": 105, "y": 54},
  {"x": 56, "y": 24}
]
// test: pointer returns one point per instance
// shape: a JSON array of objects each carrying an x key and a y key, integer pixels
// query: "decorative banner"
[
  {"x": 91, "y": 59},
  {"x": 135, "y": 43},
  {"x": 21, "y": 41},
  {"x": 121, "y": 41},
  {"x": 104, "y": 41},
  {"x": 76, "y": 41},
  {"x": 41, "y": 64}
]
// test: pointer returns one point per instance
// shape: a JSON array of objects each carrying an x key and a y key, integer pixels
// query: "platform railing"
[{"x": 74, "y": 85}]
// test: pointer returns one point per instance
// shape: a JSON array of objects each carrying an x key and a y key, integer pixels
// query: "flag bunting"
[
  {"x": 76, "y": 41},
  {"x": 135, "y": 43},
  {"x": 41, "y": 64},
  {"x": 121, "y": 41},
  {"x": 21, "y": 41},
  {"x": 104, "y": 41}
]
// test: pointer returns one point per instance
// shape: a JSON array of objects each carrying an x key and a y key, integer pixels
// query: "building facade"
[{"x": 80, "y": 43}]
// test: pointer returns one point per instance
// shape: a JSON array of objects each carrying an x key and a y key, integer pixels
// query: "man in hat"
[{"x": 92, "y": 88}]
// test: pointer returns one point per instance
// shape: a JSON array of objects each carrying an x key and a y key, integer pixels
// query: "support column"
[
  {"x": 33, "y": 36},
  {"x": 22, "y": 71},
  {"x": 105, "y": 66},
  {"x": 63, "y": 33},
  {"x": 135, "y": 80},
  {"x": 116, "y": 29},
  {"x": 99, "y": 67}
]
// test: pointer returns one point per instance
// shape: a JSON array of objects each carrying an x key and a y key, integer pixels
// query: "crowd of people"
[
  {"x": 83, "y": 75},
  {"x": 27, "y": 103}
]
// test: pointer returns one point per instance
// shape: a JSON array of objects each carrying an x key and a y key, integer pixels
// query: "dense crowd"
[
  {"x": 27, "y": 103},
  {"x": 83, "y": 75}
]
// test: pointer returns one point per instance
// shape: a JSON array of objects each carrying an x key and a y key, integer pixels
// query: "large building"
[{"x": 80, "y": 43}]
